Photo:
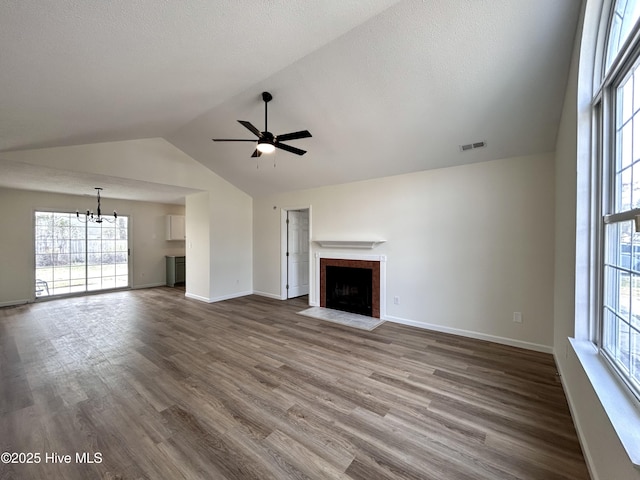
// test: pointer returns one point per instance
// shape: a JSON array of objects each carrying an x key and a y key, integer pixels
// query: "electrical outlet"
[
  {"x": 517, "y": 317},
  {"x": 396, "y": 300}
]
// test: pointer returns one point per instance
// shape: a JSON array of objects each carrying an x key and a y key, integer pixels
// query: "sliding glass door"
[{"x": 72, "y": 256}]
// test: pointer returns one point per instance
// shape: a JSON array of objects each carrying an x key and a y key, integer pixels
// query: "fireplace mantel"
[{"x": 363, "y": 244}]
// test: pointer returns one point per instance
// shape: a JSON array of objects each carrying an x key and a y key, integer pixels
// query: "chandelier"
[{"x": 89, "y": 216}]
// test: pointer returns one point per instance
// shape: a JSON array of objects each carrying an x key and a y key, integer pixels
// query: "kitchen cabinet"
[{"x": 175, "y": 227}]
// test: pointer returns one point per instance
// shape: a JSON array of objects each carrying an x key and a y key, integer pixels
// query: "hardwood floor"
[{"x": 164, "y": 387}]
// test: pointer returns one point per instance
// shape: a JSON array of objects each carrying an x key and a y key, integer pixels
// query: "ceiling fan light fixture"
[
  {"x": 267, "y": 141},
  {"x": 265, "y": 146}
]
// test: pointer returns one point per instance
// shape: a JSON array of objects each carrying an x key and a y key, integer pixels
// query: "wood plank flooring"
[{"x": 164, "y": 387}]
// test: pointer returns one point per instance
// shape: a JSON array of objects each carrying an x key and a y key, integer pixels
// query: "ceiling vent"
[{"x": 472, "y": 146}]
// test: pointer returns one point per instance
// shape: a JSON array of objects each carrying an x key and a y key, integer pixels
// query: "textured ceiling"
[{"x": 385, "y": 87}]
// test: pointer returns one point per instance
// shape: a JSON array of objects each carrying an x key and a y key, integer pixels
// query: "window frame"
[{"x": 603, "y": 127}]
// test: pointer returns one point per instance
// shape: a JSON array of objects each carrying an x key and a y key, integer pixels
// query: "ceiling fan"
[{"x": 267, "y": 141}]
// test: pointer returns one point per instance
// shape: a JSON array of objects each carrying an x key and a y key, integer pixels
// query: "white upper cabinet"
[{"x": 175, "y": 227}]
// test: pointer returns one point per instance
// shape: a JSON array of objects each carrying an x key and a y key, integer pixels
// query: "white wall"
[
  {"x": 218, "y": 245},
  {"x": 466, "y": 246},
  {"x": 147, "y": 233},
  {"x": 604, "y": 453},
  {"x": 198, "y": 246},
  {"x": 231, "y": 243}
]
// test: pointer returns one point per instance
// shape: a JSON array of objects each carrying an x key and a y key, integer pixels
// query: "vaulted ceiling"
[{"x": 385, "y": 86}]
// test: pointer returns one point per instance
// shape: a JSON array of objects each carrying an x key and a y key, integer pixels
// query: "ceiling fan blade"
[
  {"x": 294, "y": 135},
  {"x": 289, "y": 148},
  {"x": 251, "y": 128},
  {"x": 256, "y": 153},
  {"x": 232, "y": 140}
]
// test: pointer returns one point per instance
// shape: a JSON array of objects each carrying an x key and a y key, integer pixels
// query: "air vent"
[{"x": 472, "y": 146}]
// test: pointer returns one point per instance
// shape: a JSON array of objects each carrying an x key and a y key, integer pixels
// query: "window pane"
[
  {"x": 634, "y": 297},
  {"x": 623, "y": 347},
  {"x": 635, "y": 192},
  {"x": 618, "y": 244},
  {"x": 623, "y": 191},
  {"x": 614, "y": 37},
  {"x": 44, "y": 218},
  {"x": 94, "y": 284},
  {"x": 122, "y": 224},
  {"x": 626, "y": 153},
  {"x": 94, "y": 271},
  {"x": 108, "y": 282},
  {"x": 609, "y": 332},
  {"x": 94, "y": 233},
  {"x": 635, "y": 349},
  {"x": 77, "y": 272},
  {"x": 623, "y": 304},
  {"x": 626, "y": 14},
  {"x": 93, "y": 258},
  {"x": 77, "y": 231},
  {"x": 621, "y": 297},
  {"x": 44, "y": 274},
  {"x": 636, "y": 97},
  {"x": 43, "y": 261},
  {"x": 60, "y": 287},
  {"x": 625, "y": 98},
  {"x": 107, "y": 260},
  {"x": 78, "y": 286}
]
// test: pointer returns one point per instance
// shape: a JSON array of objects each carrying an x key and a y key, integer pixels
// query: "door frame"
[{"x": 283, "y": 249}]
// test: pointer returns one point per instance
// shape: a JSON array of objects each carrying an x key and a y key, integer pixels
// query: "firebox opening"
[{"x": 349, "y": 289}]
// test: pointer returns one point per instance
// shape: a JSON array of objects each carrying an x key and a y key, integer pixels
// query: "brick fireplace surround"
[{"x": 367, "y": 264}]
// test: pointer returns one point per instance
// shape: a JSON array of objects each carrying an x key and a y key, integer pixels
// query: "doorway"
[
  {"x": 295, "y": 254},
  {"x": 72, "y": 256}
]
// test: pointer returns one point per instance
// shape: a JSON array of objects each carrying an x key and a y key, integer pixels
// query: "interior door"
[{"x": 297, "y": 253}]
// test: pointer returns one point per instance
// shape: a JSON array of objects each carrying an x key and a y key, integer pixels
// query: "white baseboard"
[
  {"x": 217, "y": 299},
  {"x": 148, "y": 285},
  {"x": 14, "y": 303},
  {"x": 467, "y": 333},
  {"x": 230, "y": 296},
  {"x": 268, "y": 295},
  {"x": 198, "y": 297}
]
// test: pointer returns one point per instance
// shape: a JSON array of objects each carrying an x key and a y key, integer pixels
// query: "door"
[
  {"x": 76, "y": 256},
  {"x": 297, "y": 253}
]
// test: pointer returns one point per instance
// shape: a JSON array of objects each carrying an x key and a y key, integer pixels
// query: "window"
[
  {"x": 72, "y": 256},
  {"x": 617, "y": 109},
  {"x": 624, "y": 17}
]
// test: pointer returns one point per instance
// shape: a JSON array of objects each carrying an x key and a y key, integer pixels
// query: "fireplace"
[{"x": 350, "y": 285}]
